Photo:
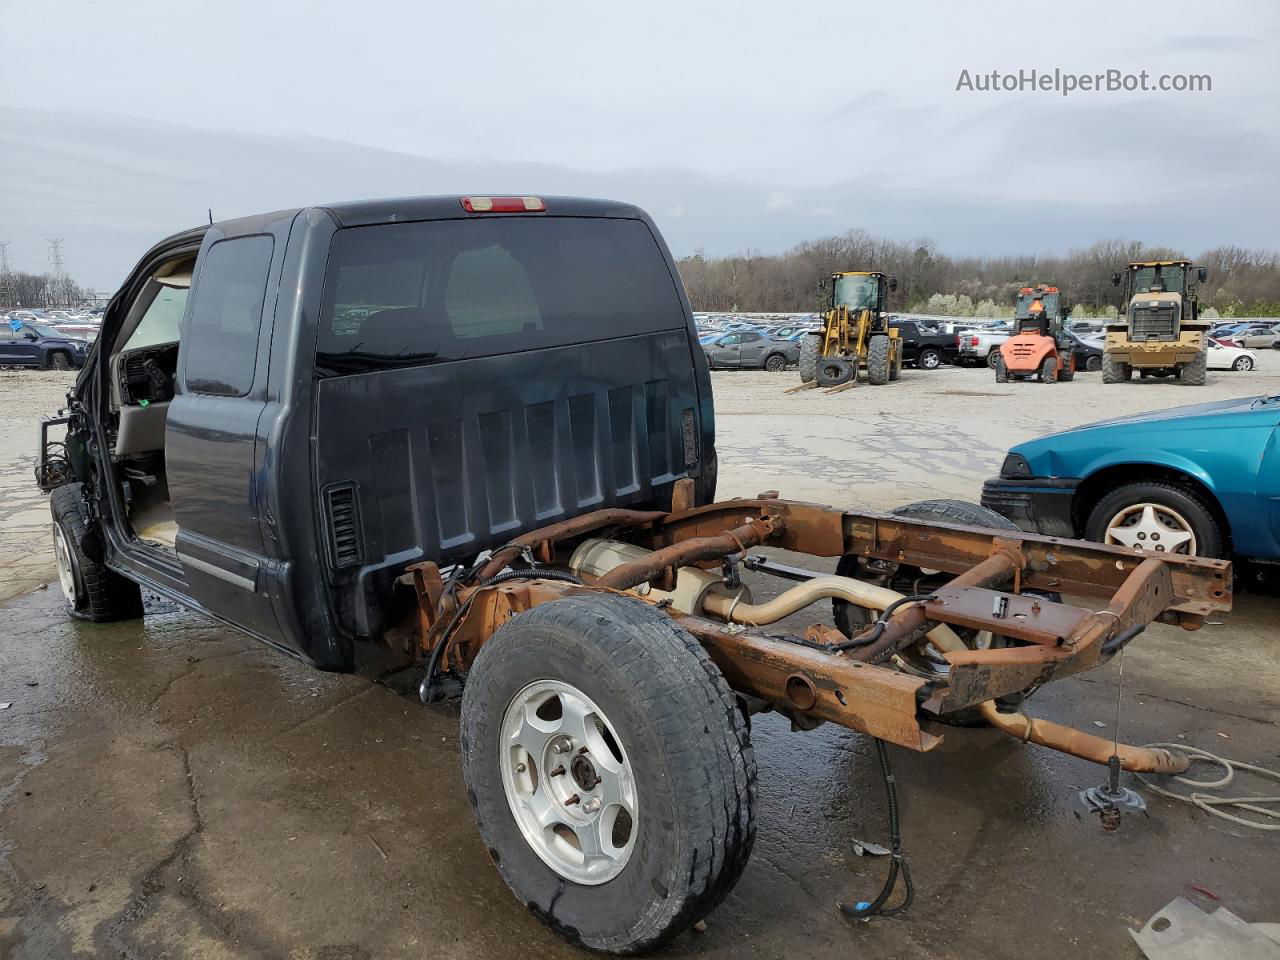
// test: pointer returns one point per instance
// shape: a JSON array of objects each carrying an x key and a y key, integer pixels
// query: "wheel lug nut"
[
  {"x": 559, "y": 747},
  {"x": 521, "y": 768},
  {"x": 591, "y": 804},
  {"x": 558, "y": 771},
  {"x": 572, "y": 800}
]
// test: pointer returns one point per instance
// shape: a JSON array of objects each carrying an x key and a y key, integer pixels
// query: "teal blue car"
[{"x": 1201, "y": 480}]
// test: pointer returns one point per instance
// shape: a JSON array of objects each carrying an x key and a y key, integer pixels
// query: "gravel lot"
[{"x": 170, "y": 789}]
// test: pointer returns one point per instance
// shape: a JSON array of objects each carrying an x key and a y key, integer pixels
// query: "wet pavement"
[{"x": 169, "y": 788}]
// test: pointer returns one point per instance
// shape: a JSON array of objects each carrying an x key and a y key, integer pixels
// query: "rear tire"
[
  {"x": 1002, "y": 372},
  {"x": 929, "y": 359},
  {"x": 810, "y": 353},
  {"x": 1193, "y": 374},
  {"x": 878, "y": 360},
  {"x": 993, "y": 355},
  {"x": 92, "y": 591},
  {"x": 1049, "y": 369},
  {"x": 1093, "y": 364},
  {"x": 775, "y": 363},
  {"x": 675, "y": 727},
  {"x": 1113, "y": 371}
]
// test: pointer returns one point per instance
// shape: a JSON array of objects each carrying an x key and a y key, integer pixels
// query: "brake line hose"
[{"x": 864, "y": 910}]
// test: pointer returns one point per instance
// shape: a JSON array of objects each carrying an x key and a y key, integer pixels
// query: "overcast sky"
[{"x": 780, "y": 120}]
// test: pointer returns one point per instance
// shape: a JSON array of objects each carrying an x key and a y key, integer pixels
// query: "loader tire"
[
  {"x": 835, "y": 371},
  {"x": 1002, "y": 372},
  {"x": 630, "y": 701},
  {"x": 810, "y": 353},
  {"x": 92, "y": 591},
  {"x": 1113, "y": 371},
  {"x": 1049, "y": 369},
  {"x": 878, "y": 360},
  {"x": 1193, "y": 374},
  {"x": 852, "y": 620},
  {"x": 1066, "y": 366}
]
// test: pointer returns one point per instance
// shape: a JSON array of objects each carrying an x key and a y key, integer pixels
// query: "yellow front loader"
[{"x": 855, "y": 334}]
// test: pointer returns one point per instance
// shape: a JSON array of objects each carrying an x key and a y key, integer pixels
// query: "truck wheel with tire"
[
  {"x": 929, "y": 359},
  {"x": 58, "y": 360},
  {"x": 610, "y": 770},
  {"x": 1002, "y": 372},
  {"x": 923, "y": 660},
  {"x": 1066, "y": 366},
  {"x": 1193, "y": 374},
  {"x": 1113, "y": 371},
  {"x": 834, "y": 371},
  {"x": 1158, "y": 516},
  {"x": 1049, "y": 369},
  {"x": 810, "y": 353},
  {"x": 992, "y": 356},
  {"x": 92, "y": 591},
  {"x": 1093, "y": 364},
  {"x": 775, "y": 363},
  {"x": 878, "y": 361}
]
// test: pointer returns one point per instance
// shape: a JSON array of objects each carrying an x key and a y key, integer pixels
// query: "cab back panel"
[{"x": 452, "y": 458}]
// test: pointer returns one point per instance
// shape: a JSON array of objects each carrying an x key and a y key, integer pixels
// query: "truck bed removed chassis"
[{"x": 858, "y": 687}]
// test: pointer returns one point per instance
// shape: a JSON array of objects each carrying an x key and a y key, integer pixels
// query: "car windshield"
[{"x": 856, "y": 292}]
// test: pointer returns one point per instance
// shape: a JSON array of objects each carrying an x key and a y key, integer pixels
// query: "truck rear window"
[{"x": 413, "y": 293}]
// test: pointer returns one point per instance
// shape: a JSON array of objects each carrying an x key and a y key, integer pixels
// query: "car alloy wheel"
[
  {"x": 568, "y": 782},
  {"x": 66, "y": 565},
  {"x": 1154, "y": 527},
  {"x": 1242, "y": 363}
]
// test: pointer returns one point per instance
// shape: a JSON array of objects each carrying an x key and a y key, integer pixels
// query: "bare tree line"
[
  {"x": 1241, "y": 282},
  {"x": 41, "y": 290}
]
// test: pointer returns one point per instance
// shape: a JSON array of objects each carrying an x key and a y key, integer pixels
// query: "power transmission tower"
[
  {"x": 8, "y": 295},
  {"x": 59, "y": 271}
]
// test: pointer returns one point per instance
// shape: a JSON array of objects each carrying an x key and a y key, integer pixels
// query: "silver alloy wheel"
[
  {"x": 1243, "y": 363},
  {"x": 568, "y": 782},
  {"x": 930, "y": 360},
  {"x": 1154, "y": 527},
  {"x": 65, "y": 563}
]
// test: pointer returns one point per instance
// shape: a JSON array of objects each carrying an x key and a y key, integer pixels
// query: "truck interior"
[{"x": 143, "y": 367}]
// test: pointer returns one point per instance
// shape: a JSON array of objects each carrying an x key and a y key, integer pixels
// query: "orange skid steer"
[{"x": 1038, "y": 347}]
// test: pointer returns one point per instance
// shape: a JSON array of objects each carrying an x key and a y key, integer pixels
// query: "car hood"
[{"x": 1156, "y": 436}]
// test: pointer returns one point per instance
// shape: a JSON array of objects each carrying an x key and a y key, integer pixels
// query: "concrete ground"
[{"x": 169, "y": 788}]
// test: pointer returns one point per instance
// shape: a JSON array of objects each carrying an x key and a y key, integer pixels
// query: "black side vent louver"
[{"x": 342, "y": 510}]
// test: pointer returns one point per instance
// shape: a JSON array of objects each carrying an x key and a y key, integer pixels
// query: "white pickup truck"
[{"x": 975, "y": 347}]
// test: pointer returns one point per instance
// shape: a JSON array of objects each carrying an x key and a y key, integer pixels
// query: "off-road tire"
[
  {"x": 59, "y": 361},
  {"x": 1113, "y": 371},
  {"x": 992, "y": 356},
  {"x": 852, "y": 620},
  {"x": 687, "y": 741},
  {"x": 929, "y": 359},
  {"x": 1210, "y": 541},
  {"x": 1066, "y": 371},
  {"x": 102, "y": 595},
  {"x": 810, "y": 353},
  {"x": 1002, "y": 372},
  {"x": 1049, "y": 369},
  {"x": 835, "y": 371},
  {"x": 878, "y": 361},
  {"x": 775, "y": 363},
  {"x": 1193, "y": 374}
]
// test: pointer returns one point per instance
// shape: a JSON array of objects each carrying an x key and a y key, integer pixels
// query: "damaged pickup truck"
[{"x": 480, "y": 430}]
